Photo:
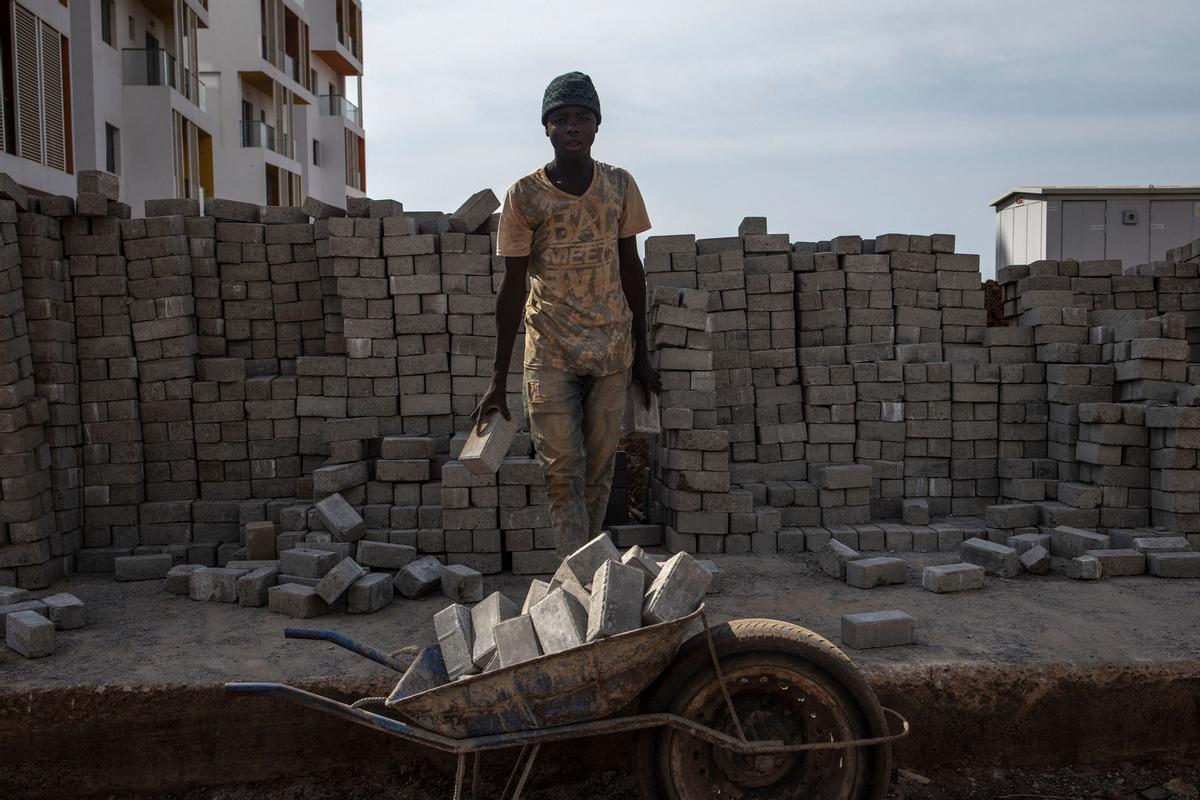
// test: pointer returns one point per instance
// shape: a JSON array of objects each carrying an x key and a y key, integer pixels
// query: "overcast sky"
[{"x": 828, "y": 118}]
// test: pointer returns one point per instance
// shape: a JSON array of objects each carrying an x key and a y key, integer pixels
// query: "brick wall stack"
[
  {"x": 297, "y": 304},
  {"x": 1175, "y": 469},
  {"x": 50, "y": 319},
  {"x": 112, "y": 453},
  {"x": 471, "y": 320},
  {"x": 1114, "y": 459}
]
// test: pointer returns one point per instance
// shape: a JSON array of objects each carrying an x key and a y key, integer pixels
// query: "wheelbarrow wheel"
[{"x": 786, "y": 683}]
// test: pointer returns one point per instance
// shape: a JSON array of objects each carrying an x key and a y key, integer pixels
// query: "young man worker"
[{"x": 571, "y": 228}]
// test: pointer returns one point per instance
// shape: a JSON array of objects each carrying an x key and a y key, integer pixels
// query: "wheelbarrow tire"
[{"x": 774, "y": 654}]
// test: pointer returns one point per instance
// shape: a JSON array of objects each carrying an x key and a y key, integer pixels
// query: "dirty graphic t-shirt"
[{"x": 576, "y": 316}]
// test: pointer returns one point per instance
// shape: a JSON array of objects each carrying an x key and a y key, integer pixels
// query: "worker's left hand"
[{"x": 647, "y": 376}]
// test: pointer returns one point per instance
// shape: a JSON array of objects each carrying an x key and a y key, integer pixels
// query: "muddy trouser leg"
[
  {"x": 555, "y": 401},
  {"x": 603, "y": 409}
]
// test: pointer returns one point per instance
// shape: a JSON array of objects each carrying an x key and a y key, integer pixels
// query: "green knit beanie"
[{"x": 572, "y": 89}]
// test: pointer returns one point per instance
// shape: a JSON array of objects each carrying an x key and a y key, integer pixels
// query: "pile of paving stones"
[
  {"x": 596, "y": 593},
  {"x": 30, "y": 625}
]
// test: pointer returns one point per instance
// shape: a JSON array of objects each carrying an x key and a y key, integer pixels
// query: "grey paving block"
[
  {"x": 878, "y": 629},
  {"x": 1084, "y": 568},
  {"x": 307, "y": 562},
  {"x": 1069, "y": 542},
  {"x": 384, "y": 555},
  {"x": 11, "y": 594},
  {"x": 1027, "y": 541},
  {"x": 516, "y": 640},
  {"x": 996, "y": 559},
  {"x": 583, "y": 563},
  {"x": 616, "y": 602},
  {"x": 867, "y": 573},
  {"x": 952, "y": 578},
  {"x": 179, "y": 578},
  {"x": 30, "y": 634},
  {"x": 462, "y": 584},
  {"x": 143, "y": 568},
  {"x": 338, "y": 580},
  {"x": 1013, "y": 515},
  {"x": 537, "y": 590},
  {"x": 1173, "y": 565},
  {"x": 420, "y": 577},
  {"x": 1036, "y": 560},
  {"x": 216, "y": 584},
  {"x": 370, "y": 593},
  {"x": 636, "y": 557},
  {"x": 485, "y": 616},
  {"x": 1119, "y": 563},
  {"x": 560, "y": 621},
  {"x": 1161, "y": 544},
  {"x": 456, "y": 636},
  {"x": 66, "y": 611},
  {"x": 677, "y": 591},
  {"x": 915, "y": 511},
  {"x": 36, "y": 606},
  {"x": 260, "y": 540},
  {"x": 340, "y": 519},
  {"x": 296, "y": 600},
  {"x": 252, "y": 587},
  {"x": 427, "y": 671},
  {"x": 488, "y": 444},
  {"x": 833, "y": 558}
]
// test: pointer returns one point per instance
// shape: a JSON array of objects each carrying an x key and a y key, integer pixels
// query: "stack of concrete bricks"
[
  {"x": 348, "y": 249},
  {"x": 879, "y": 415},
  {"x": 1150, "y": 358},
  {"x": 720, "y": 271},
  {"x": 219, "y": 414},
  {"x": 467, "y": 281},
  {"x": 163, "y": 314},
  {"x": 524, "y": 516},
  {"x": 50, "y": 319},
  {"x": 1175, "y": 469},
  {"x": 928, "y": 435},
  {"x": 423, "y": 343},
  {"x": 29, "y": 555},
  {"x": 974, "y": 412},
  {"x": 868, "y": 354},
  {"x": 297, "y": 303},
  {"x": 113, "y": 461},
  {"x": 246, "y": 297},
  {"x": 771, "y": 338},
  {"x": 1114, "y": 458}
]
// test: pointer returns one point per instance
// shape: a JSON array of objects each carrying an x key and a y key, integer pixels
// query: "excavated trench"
[{"x": 96, "y": 740}]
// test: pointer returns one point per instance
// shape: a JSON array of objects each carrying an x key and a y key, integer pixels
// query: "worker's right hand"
[{"x": 494, "y": 399}]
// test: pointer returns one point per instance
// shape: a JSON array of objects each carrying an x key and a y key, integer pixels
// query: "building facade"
[
  {"x": 251, "y": 100},
  {"x": 282, "y": 82},
  {"x": 1135, "y": 224}
]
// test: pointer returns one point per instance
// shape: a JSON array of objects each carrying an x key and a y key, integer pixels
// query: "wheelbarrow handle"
[{"x": 341, "y": 640}]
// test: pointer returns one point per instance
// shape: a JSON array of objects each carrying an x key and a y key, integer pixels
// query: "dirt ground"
[
  {"x": 1123, "y": 782},
  {"x": 138, "y": 635}
]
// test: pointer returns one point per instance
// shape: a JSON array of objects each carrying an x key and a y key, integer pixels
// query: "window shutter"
[
  {"x": 27, "y": 76},
  {"x": 52, "y": 97}
]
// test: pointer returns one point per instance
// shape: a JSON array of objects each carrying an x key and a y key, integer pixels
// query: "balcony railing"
[
  {"x": 260, "y": 134},
  {"x": 335, "y": 105},
  {"x": 144, "y": 67}
]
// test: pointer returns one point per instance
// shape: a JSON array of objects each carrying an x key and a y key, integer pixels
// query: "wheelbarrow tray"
[{"x": 588, "y": 682}]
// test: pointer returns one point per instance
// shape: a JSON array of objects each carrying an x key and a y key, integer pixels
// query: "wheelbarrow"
[{"x": 753, "y": 708}]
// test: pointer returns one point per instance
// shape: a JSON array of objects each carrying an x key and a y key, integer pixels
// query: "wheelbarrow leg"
[
  {"x": 475, "y": 762},
  {"x": 516, "y": 767},
  {"x": 533, "y": 754},
  {"x": 458, "y": 776}
]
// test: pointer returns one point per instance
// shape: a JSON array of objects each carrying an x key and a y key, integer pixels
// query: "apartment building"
[
  {"x": 282, "y": 82},
  {"x": 36, "y": 109},
  {"x": 256, "y": 100},
  {"x": 140, "y": 104}
]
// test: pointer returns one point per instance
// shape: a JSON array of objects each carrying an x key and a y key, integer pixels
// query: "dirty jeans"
[{"x": 575, "y": 421}]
